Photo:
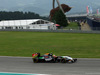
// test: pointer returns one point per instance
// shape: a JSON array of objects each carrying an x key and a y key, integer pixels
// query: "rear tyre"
[{"x": 35, "y": 60}]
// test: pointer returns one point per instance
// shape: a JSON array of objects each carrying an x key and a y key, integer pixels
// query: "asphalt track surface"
[{"x": 25, "y": 65}]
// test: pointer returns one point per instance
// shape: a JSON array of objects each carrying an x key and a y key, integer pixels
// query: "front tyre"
[{"x": 63, "y": 60}]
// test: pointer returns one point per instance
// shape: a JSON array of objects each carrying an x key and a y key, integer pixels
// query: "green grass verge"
[
  {"x": 72, "y": 44},
  {"x": 72, "y": 25}
]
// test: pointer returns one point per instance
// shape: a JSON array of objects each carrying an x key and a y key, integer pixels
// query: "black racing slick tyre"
[
  {"x": 35, "y": 60},
  {"x": 63, "y": 60}
]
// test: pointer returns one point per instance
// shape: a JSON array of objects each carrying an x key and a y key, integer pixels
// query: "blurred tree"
[
  {"x": 17, "y": 15},
  {"x": 60, "y": 18}
]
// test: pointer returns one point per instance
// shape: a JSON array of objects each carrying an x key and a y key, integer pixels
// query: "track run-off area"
[{"x": 25, "y": 65}]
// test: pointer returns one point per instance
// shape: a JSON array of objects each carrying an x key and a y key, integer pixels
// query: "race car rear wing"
[{"x": 35, "y": 55}]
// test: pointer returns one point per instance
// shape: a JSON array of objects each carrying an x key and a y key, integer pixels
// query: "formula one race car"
[{"x": 49, "y": 57}]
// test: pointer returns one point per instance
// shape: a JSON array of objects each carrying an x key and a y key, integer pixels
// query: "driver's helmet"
[{"x": 50, "y": 54}]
